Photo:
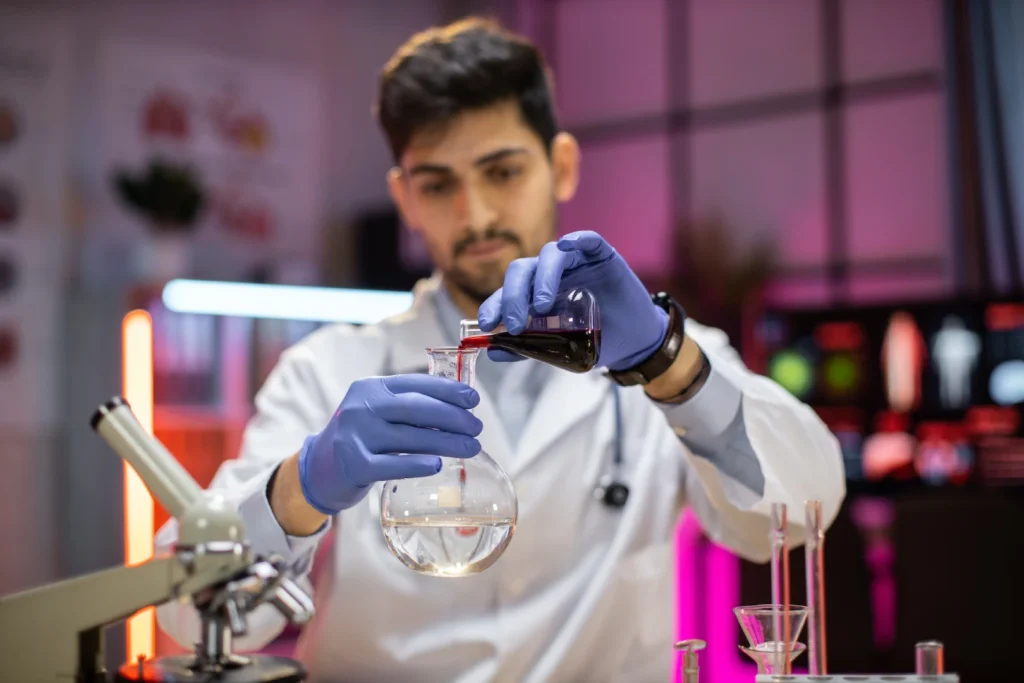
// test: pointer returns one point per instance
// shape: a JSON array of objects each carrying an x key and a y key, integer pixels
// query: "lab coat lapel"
[
  {"x": 566, "y": 399},
  {"x": 418, "y": 329}
]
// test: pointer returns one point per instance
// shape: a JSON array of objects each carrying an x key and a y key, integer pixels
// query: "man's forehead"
[{"x": 469, "y": 138}]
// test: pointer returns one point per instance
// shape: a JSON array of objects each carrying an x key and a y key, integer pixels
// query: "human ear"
[
  {"x": 400, "y": 195},
  {"x": 565, "y": 162}
]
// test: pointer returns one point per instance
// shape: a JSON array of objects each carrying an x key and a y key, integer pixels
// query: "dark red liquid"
[{"x": 572, "y": 350}]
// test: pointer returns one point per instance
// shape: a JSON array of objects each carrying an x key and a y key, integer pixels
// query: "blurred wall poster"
[
  {"x": 252, "y": 133},
  {"x": 34, "y": 81}
]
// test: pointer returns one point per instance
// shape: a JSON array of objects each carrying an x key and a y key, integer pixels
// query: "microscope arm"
[
  {"x": 110, "y": 595},
  {"x": 41, "y": 628},
  {"x": 89, "y": 601}
]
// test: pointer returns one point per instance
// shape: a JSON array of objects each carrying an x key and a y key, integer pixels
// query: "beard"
[{"x": 484, "y": 278}]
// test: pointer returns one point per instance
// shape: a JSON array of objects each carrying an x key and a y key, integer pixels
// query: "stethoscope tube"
[
  {"x": 617, "y": 455},
  {"x": 612, "y": 491}
]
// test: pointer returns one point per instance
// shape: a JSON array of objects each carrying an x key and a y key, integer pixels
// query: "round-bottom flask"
[{"x": 459, "y": 521}]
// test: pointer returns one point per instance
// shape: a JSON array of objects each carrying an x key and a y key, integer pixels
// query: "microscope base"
[{"x": 259, "y": 669}]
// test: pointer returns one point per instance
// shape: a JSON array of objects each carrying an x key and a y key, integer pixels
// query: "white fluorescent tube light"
[{"x": 284, "y": 302}]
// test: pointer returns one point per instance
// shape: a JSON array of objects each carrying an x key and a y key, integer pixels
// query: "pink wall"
[
  {"x": 624, "y": 189},
  {"x": 897, "y": 178},
  {"x": 743, "y": 50},
  {"x": 766, "y": 174},
  {"x": 768, "y": 178},
  {"x": 596, "y": 82}
]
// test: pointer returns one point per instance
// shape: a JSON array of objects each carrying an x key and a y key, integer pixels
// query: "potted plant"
[
  {"x": 170, "y": 198},
  {"x": 717, "y": 279}
]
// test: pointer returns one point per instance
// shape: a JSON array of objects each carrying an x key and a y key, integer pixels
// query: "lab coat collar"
[{"x": 418, "y": 329}]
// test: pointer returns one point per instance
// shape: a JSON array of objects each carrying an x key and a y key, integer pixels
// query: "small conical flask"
[
  {"x": 568, "y": 336},
  {"x": 459, "y": 521}
]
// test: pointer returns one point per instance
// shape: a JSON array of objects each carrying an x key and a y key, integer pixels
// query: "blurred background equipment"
[
  {"x": 387, "y": 254},
  {"x": 169, "y": 199},
  {"x": 827, "y": 180},
  {"x": 928, "y": 393}
]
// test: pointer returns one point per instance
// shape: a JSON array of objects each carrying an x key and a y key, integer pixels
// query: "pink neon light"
[
  {"x": 723, "y": 593},
  {"x": 874, "y": 517},
  {"x": 881, "y": 558},
  {"x": 688, "y": 539},
  {"x": 722, "y": 661}
]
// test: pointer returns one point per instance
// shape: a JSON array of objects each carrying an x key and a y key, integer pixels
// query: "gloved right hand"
[{"x": 387, "y": 428}]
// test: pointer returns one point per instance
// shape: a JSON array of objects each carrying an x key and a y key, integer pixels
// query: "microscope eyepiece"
[{"x": 107, "y": 408}]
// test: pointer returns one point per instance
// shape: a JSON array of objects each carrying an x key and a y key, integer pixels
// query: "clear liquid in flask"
[
  {"x": 459, "y": 521},
  {"x": 448, "y": 546}
]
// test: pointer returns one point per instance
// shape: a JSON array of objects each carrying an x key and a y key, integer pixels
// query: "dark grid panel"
[{"x": 831, "y": 99}]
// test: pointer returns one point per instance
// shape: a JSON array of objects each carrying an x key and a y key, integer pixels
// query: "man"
[{"x": 584, "y": 590}]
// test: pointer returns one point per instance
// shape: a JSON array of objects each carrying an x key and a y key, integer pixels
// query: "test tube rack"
[{"x": 929, "y": 654}]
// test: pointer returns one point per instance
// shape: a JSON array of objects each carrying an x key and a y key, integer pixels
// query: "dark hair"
[{"x": 470, "y": 64}]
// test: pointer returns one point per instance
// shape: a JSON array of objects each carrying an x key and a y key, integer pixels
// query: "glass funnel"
[
  {"x": 768, "y": 656},
  {"x": 568, "y": 336},
  {"x": 459, "y": 521},
  {"x": 766, "y": 647}
]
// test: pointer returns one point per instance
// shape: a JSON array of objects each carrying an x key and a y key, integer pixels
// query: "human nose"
[{"x": 476, "y": 212}]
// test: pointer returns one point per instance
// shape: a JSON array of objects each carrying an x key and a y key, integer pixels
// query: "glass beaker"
[
  {"x": 460, "y": 520},
  {"x": 568, "y": 336}
]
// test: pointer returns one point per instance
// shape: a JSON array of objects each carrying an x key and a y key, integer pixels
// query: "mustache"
[{"x": 489, "y": 234}]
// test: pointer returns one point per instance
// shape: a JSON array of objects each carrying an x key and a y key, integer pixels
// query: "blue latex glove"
[
  {"x": 632, "y": 327},
  {"x": 418, "y": 416}
]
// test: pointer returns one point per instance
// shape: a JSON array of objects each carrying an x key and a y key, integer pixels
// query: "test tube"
[
  {"x": 929, "y": 658},
  {"x": 815, "y": 574},
  {"x": 780, "y": 585}
]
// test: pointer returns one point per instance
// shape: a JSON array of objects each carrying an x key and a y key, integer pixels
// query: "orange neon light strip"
[{"x": 137, "y": 374}]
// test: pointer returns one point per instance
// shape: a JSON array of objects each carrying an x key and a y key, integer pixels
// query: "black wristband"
[{"x": 662, "y": 359}]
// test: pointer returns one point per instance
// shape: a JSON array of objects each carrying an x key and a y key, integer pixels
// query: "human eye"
[
  {"x": 503, "y": 173},
  {"x": 438, "y": 187}
]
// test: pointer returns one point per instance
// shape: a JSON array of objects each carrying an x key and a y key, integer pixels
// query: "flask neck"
[{"x": 471, "y": 328}]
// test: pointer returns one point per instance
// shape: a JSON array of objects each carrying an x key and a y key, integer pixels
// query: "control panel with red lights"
[{"x": 924, "y": 394}]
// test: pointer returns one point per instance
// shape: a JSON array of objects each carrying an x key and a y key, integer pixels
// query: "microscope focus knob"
[
  {"x": 293, "y": 602},
  {"x": 236, "y": 622}
]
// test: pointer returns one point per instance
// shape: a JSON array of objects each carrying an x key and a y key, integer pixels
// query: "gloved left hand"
[{"x": 632, "y": 327}]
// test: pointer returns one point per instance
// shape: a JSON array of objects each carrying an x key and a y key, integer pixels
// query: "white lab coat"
[{"x": 583, "y": 592}]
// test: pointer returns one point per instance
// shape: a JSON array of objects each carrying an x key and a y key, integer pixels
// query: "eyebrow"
[{"x": 488, "y": 158}]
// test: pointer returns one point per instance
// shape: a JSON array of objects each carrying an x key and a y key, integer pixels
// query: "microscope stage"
[{"x": 258, "y": 669}]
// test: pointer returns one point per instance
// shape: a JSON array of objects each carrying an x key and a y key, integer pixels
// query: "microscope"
[
  {"x": 772, "y": 631},
  {"x": 53, "y": 633}
]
